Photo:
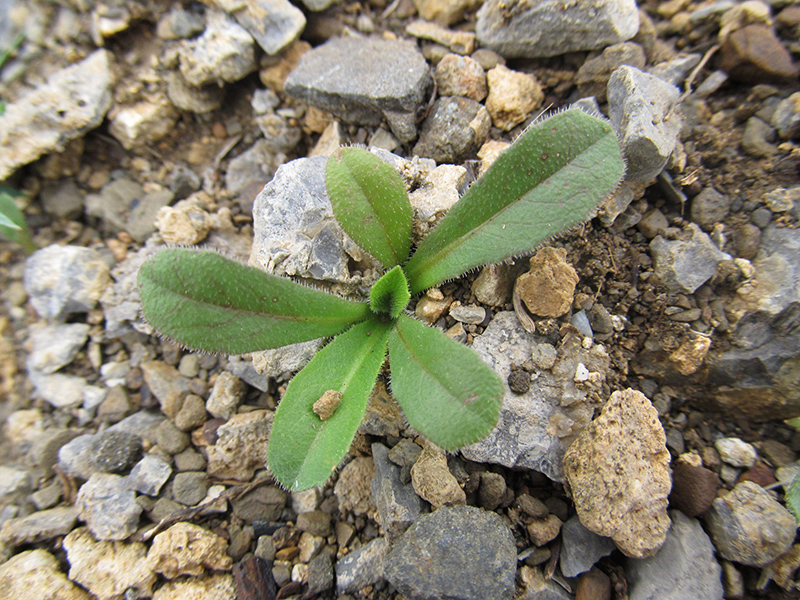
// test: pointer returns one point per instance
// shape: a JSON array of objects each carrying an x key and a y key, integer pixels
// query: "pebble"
[
  {"x": 594, "y": 585},
  {"x": 347, "y": 88},
  {"x": 460, "y": 42},
  {"x": 241, "y": 446},
  {"x": 194, "y": 99},
  {"x": 171, "y": 439},
  {"x": 138, "y": 125},
  {"x": 454, "y": 130},
  {"x": 187, "y": 549},
  {"x": 512, "y": 96},
  {"x": 492, "y": 491},
  {"x": 536, "y": 585},
  {"x": 149, "y": 475},
  {"x": 397, "y": 503},
  {"x": 694, "y": 488},
  {"x": 115, "y": 451},
  {"x": 213, "y": 587},
  {"x": 436, "y": 194},
  {"x": 320, "y": 573},
  {"x": 581, "y": 548},
  {"x": 263, "y": 503},
  {"x": 185, "y": 224},
  {"x": 55, "y": 345},
  {"x": 192, "y": 413},
  {"x": 754, "y": 54},
  {"x": 362, "y": 567},
  {"x": 189, "y": 487},
  {"x": 274, "y": 24},
  {"x": 685, "y": 264},
  {"x": 108, "y": 507},
  {"x": 548, "y": 288},
  {"x": 58, "y": 389},
  {"x": 35, "y": 574},
  {"x": 444, "y": 12},
  {"x": 735, "y": 452},
  {"x": 624, "y": 449},
  {"x": 225, "y": 52},
  {"x": 685, "y": 566},
  {"x": 352, "y": 490},
  {"x": 786, "y": 118},
  {"x": 593, "y": 75},
  {"x": 225, "y": 396},
  {"x": 709, "y": 207},
  {"x": 758, "y": 139},
  {"x": 653, "y": 223},
  {"x": 749, "y": 527},
  {"x": 73, "y": 101},
  {"x": 461, "y": 76},
  {"x": 123, "y": 205},
  {"x": 468, "y": 313},
  {"x": 316, "y": 522},
  {"x": 542, "y": 531},
  {"x": 39, "y": 526},
  {"x": 675, "y": 71},
  {"x": 433, "y": 481},
  {"x": 65, "y": 280},
  {"x": 108, "y": 569},
  {"x": 549, "y": 28},
  {"x": 493, "y": 285},
  {"x": 461, "y": 552},
  {"x": 640, "y": 107}
]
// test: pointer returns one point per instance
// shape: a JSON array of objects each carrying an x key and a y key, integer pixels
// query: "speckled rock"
[
  {"x": 694, "y": 488},
  {"x": 512, "y": 96},
  {"x": 241, "y": 446},
  {"x": 108, "y": 507},
  {"x": 749, "y": 527},
  {"x": 362, "y": 567},
  {"x": 592, "y": 78},
  {"x": 214, "y": 587},
  {"x": 39, "y": 526},
  {"x": 145, "y": 122},
  {"x": 225, "y": 396},
  {"x": 224, "y": 53},
  {"x": 397, "y": 503},
  {"x": 454, "y": 130},
  {"x": 461, "y": 552},
  {"x": 353, "y": 487},
  {"x": 736, "y": 452},
  {"x": 461, "y": 76},
  {"x": 107, "y": 569},
  {"x": 186, "y": 549},
  {"x": 274, "y": 24},
  {"x": 36, "y": 574},
  {"x": 548, "y": 288},
  {"x": 618, "y": 469},
  {"x": 433, "y": 481},
  {"x": 685, "y": 264}
]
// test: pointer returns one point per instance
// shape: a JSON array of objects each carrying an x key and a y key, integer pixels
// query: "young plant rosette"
[{"x": 550, "y": 179}]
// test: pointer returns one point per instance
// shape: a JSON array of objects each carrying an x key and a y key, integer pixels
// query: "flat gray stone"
[
  {"x": 361, "y": 567},
  {"x": 534, "y": 28},
  {"x": 640, "y": 107},
  {"x": 454, "y": 131},
  {"x": 73, "y": 101},
  {"x": 460, "y": 553},
  {"x": 581, "y": 548},
  {"x": 108, "y": 507},
  {"x": 684, "y": 568},
  {"x": 397, "y": 502},
  {"x": 777, "y": 266},
  {"x": 224, "y": 53},
  {"x": 56, "y": 345},
  {"x": 683, "y": 265},
  {"x": 148, "y": 475},
  {"x": 39, "y": 526},
  {"x": 274, "y": 24},
  {"x": 123, "y": 205},
  {"x": 364, "y": 80}
]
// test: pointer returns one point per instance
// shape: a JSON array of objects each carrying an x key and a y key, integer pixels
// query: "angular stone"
[
  {"x": 581, "y": 548},
  {"x": 71, "y": 103},
  {"x": 534, "y": 28},
  {"x": 274, "y": 24},
  {"x": 685, "y": 264},
  {"x": 361, "y": 567},
  {"x": 461, "y": 76},
  {"x": 224, "y": 53},
  {"x": 433, "y": 481},
  {"x": 108, "y": 507},
  {"x": 364, "y": 80},
  {"x": 352, "y": 490},
  {"x": 148, "y": 475},
  {"x": 123, "y": 205},
  {"x": 187, "y": 549},
  {"x": 146, "y": 122},
  {"x": 39, "y": 526},
  {"x": 241, "y": 446},
  {"x": 398, "y": 505},
  {"x": 592, "y": 78},
  {"x": 214, "y": 587},
  {"x": 225, "y": 396},
  {"x": 755, "y": 54},
  {"x": 548, "y": 288},
  {"x": 454, "y": 130},
  {"x": 618, "y": 469},
  {"x": 55, "y": 345},
  {"x": 36, "y": 574},
  {"x": 461, "y": 552},
  {"x": 684, "y": 567}
]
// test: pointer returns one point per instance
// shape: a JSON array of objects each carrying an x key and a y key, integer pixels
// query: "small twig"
[
  {"x": 390, "y": 9},
  {"x": 225, "y": 149}
]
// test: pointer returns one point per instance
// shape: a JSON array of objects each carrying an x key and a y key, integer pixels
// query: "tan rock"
[
  {"x": 34, "y": 575},
  {"x": 225, "y": 396},
  {"x": 460, "y": 42},
  {"x": 461, "y": 76},
  {"x": 618, "y": 470},
  {"x": 689, "y": 356},
  {"x": 444, "y": 12},
  {"x": 489, "y": 152},
  {"x": 353, "y": 487},
  {"x": 185, "y": 224},
  {"x": 107, "y": 569},
  {"x": 433, "y": 481},
  {"x": 186, "y": 549},
  {"x": 512, "y": 96},
  {"x": 216, "y": 587},
  {"x": 241, "y": 446},
  {"x": 549, "y": 287},
  {"x": 432, "y": 305},
  {"x": 274, "y": 76},
  {"x": 143, "y": 123}
]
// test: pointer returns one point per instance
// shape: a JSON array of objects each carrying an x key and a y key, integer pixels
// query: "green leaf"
[
  {"x": 206, "y": 301},
  {"x": 305, "y": 449},
  {"x": 370, "y": 203},
  {"x": 793, "y": 497},
  {"x": 446, "y": 391},
  {"x": 551, "y": 178},
  {"x": 390, "y": 293},
  {"x": 12, "y": 221}
]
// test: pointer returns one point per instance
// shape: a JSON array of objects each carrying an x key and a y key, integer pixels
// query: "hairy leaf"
[
  {"x": 793, "y": 497},
  {"x": 551, "y": 178},
  {"x": 12, "y": 222},
  {"x": 303, "y": 448},
  {"x": 390, "y": 293},
  {"x": 206, "y": 301},
  {"x": 445, "y": 390},
  {"x": 370, "y": 203}
]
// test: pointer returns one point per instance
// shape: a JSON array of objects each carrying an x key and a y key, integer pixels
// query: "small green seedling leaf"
[
  {"x": 445, "y": 390},
  {"x": 304, "y": 448},
  {"x": 389, "y": 295},
  {"x": 370, "y": 202},
  {"x": 552, "y": 178},
  {"x": 12, "y": 221},
  {"x": 208, "y": 302},
  {"x": 793, "y": 497}
]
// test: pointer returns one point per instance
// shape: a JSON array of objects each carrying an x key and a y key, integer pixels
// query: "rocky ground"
[{"x": 650, "y": 355}]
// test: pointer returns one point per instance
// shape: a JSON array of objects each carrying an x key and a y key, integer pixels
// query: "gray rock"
[
  {"x": 676, "y": 70},
  {"x": 683, "y": 569},
  {"x": 72, "y": 102},
  {"x": 189, "y": 487},
  {"x": 121, "y": 305},
  {"x": 364, "y": 80},
  {"x": 461, "y": 552},
  {"x": 58, "y": 389},
  {"x": 192, "y": 98},
  {"x": 581, "y": 548},
  {"x": 39, "y": 526},
  {"x": 116, "y": 451},
  {"x": 757, "y": 139},
  {"x": 294, "y": 230},
  {"x": 75, "y": 458},
  {"x": 361, "y": 567},
  {"x": 748, "y": 526},
  {"x": 709, "y": 207},
  {"x": 254, "y": 166},
  {"x": 45, "y": 447},
  {"x": 108, "y": 507},
  {"x": 536, "y": 427},
  {"x": 171, "y": 439},
  {"x": 13, "y": 481},
  {"x": 263, "y": 503},
  {"x": 123, "y": 205},
  {"x": 179, "y": 23},
  {"x": 454, "y": 131},
  {"x": 64, "y": 280},
  {"x": 685, "y": 264},
  {"x": 320, "y": 573},
  {"x": 776, "y": 266},
  {"x": 273, "y": 23},
  {"x": 640, "y": 107},
  {"x": 62, "y": 199},
  {"x": 786, "y": 118},
  {"x": 398, "y": 505},
  {"x": 224, "y": 53},
  {"x": 56, "y": 345},
  {"x": 315, "y": 522},
  {"x": 148, "y": 475},
  {"x": 245, "y": 370},
  {"x": 592, "y": 77},
  {"x": 548, "y": 28},
  {"x": 468, "y": 314}
]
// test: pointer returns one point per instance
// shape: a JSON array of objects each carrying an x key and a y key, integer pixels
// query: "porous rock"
[
  {"x": 214, "y": 587},
  {"x": 36, "y": 574},
  {"x": 187, "y": 549},
  {"x": 618, "y": 469},
  {"x": 433, "y": 481},
  {"x": 353, "y": 487},
  {"x": 39, "y": 526},
  {"x": 548, "y": 288},
  {"x": 241, "y": 446},
  {"x": 512, "y": 96}
]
